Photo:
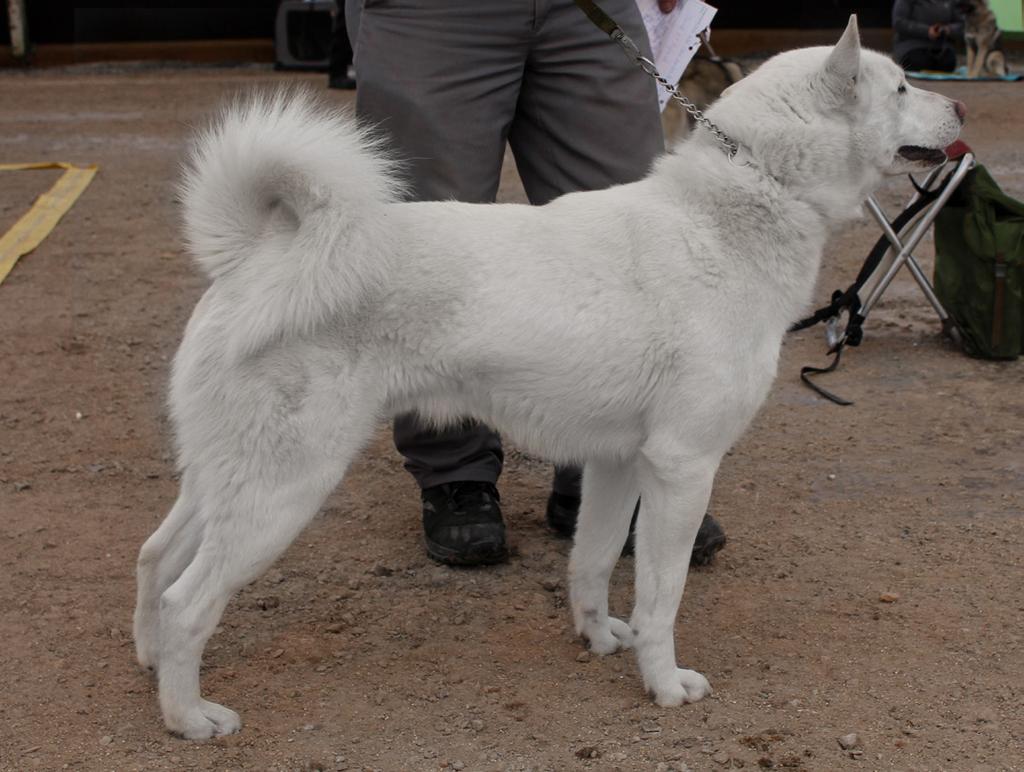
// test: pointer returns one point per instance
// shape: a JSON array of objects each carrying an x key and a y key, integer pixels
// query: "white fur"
[{"x": 635, "y": 330}]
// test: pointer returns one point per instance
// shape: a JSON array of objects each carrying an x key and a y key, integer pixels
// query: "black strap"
[
  {"x": 607, "y": 24},
  {"x": 808, "y": 371}
]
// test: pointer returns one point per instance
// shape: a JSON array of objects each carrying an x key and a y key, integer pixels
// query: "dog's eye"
[{"x": 902, "y": 89}]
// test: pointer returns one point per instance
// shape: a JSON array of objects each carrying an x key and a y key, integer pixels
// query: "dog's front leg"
[
  {"x": 609, "y": 496},
  {"x": 675, "y": 489},
  {"x": 970, "y": 58}
]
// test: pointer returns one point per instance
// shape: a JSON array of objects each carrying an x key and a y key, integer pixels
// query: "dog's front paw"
[
  {"x": 679, "y": 687},
  {"x": 206, "y": 720},
  {"x": 607, "y": 638}
]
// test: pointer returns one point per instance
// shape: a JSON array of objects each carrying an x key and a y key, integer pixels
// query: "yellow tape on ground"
[{"x": 34, "y": 226}]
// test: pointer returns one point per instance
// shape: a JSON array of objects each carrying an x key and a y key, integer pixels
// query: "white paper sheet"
[{"x": 675, "y": 36}]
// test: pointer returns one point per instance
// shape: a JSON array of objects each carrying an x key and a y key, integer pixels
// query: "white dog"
[{"x": 634, "y": 329}]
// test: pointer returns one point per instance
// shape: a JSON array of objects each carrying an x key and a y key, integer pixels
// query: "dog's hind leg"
[
  {"x": 161, "y": 560},
  {"x": 996, "y": 64},
  {"x": 250, "y": 516},
  {"x": 241, "y": 538},
  {"x": 675, "y": 487},
  {"x": 609, "y": 496}
]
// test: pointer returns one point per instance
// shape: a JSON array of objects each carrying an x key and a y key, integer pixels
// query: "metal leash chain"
[
  {"x": 633, "y": 52},
  {"x": 611, "y": 28}
]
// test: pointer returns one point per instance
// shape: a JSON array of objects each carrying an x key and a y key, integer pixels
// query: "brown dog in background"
[{"x": 983, "y": 39}]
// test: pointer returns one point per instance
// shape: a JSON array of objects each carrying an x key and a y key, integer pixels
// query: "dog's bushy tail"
[{"x": 274, "y": 192}]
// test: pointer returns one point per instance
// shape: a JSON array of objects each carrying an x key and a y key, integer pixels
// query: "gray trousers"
[{"x": 450, "y": 82}]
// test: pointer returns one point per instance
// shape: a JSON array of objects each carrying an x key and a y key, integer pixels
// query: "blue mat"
[{"x": 960, "y": 73}]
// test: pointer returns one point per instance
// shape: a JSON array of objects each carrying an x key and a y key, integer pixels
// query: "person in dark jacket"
[{"x": 925, "y": 33}]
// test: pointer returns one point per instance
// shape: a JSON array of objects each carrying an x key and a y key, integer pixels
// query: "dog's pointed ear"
[{"x": 843, "y": 64}]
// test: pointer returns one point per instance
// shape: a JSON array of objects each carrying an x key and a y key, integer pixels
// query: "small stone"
[
  {"x": 889, "y": 597},
  {"x": 380, "y": 569},
  {"x": 106, "y": 739},
  {"x": 588, "y": 752},
  {"x": 551, "y": 585},
  {"x": 848, "y": 741},
  {"x": 721, "y": 757},
  {"x": 458, "y": 765},
  {"x": 276, "y": 653},
  {"x": 476, "y": 725},
  {"x": 21, "y": 486},
  {"x": 831, "y": 477},
  {"x": 269, "y": 602},
  {"x": 334, "y": 627},
  {"x": 583, "y": 656}
]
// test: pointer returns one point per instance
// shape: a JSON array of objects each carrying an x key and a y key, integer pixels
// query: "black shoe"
[
  {"x": 710, "y": 539},
  {"x": 462, "y": 524},
  {"x": 561, "y": 514},
  {"x": 562, "y": 511}
]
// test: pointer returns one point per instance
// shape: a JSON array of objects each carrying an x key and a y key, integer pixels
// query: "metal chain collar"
[{"x": 633, "y": 52}]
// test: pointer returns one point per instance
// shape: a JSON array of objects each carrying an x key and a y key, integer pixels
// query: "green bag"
[{"x": 979, "y": 266}]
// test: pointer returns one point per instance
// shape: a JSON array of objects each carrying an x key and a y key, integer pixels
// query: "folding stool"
[{"x": 877, "y": 272}]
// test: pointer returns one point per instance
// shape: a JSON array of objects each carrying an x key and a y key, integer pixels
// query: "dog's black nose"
[{"x": 961, "y": 110}]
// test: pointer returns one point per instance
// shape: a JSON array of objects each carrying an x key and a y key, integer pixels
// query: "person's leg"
[
  {"x": 469, "y": 451},
  {"x": 588, "y": 119},
  {"x": 564, "y": 500},
  {"x": 442, "y": 80}
]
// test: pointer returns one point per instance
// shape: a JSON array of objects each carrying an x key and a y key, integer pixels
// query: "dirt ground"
[{"x": 356, "y": 652}]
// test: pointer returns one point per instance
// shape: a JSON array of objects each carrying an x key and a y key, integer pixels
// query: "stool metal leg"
[{"x": 904, "y": 249}]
